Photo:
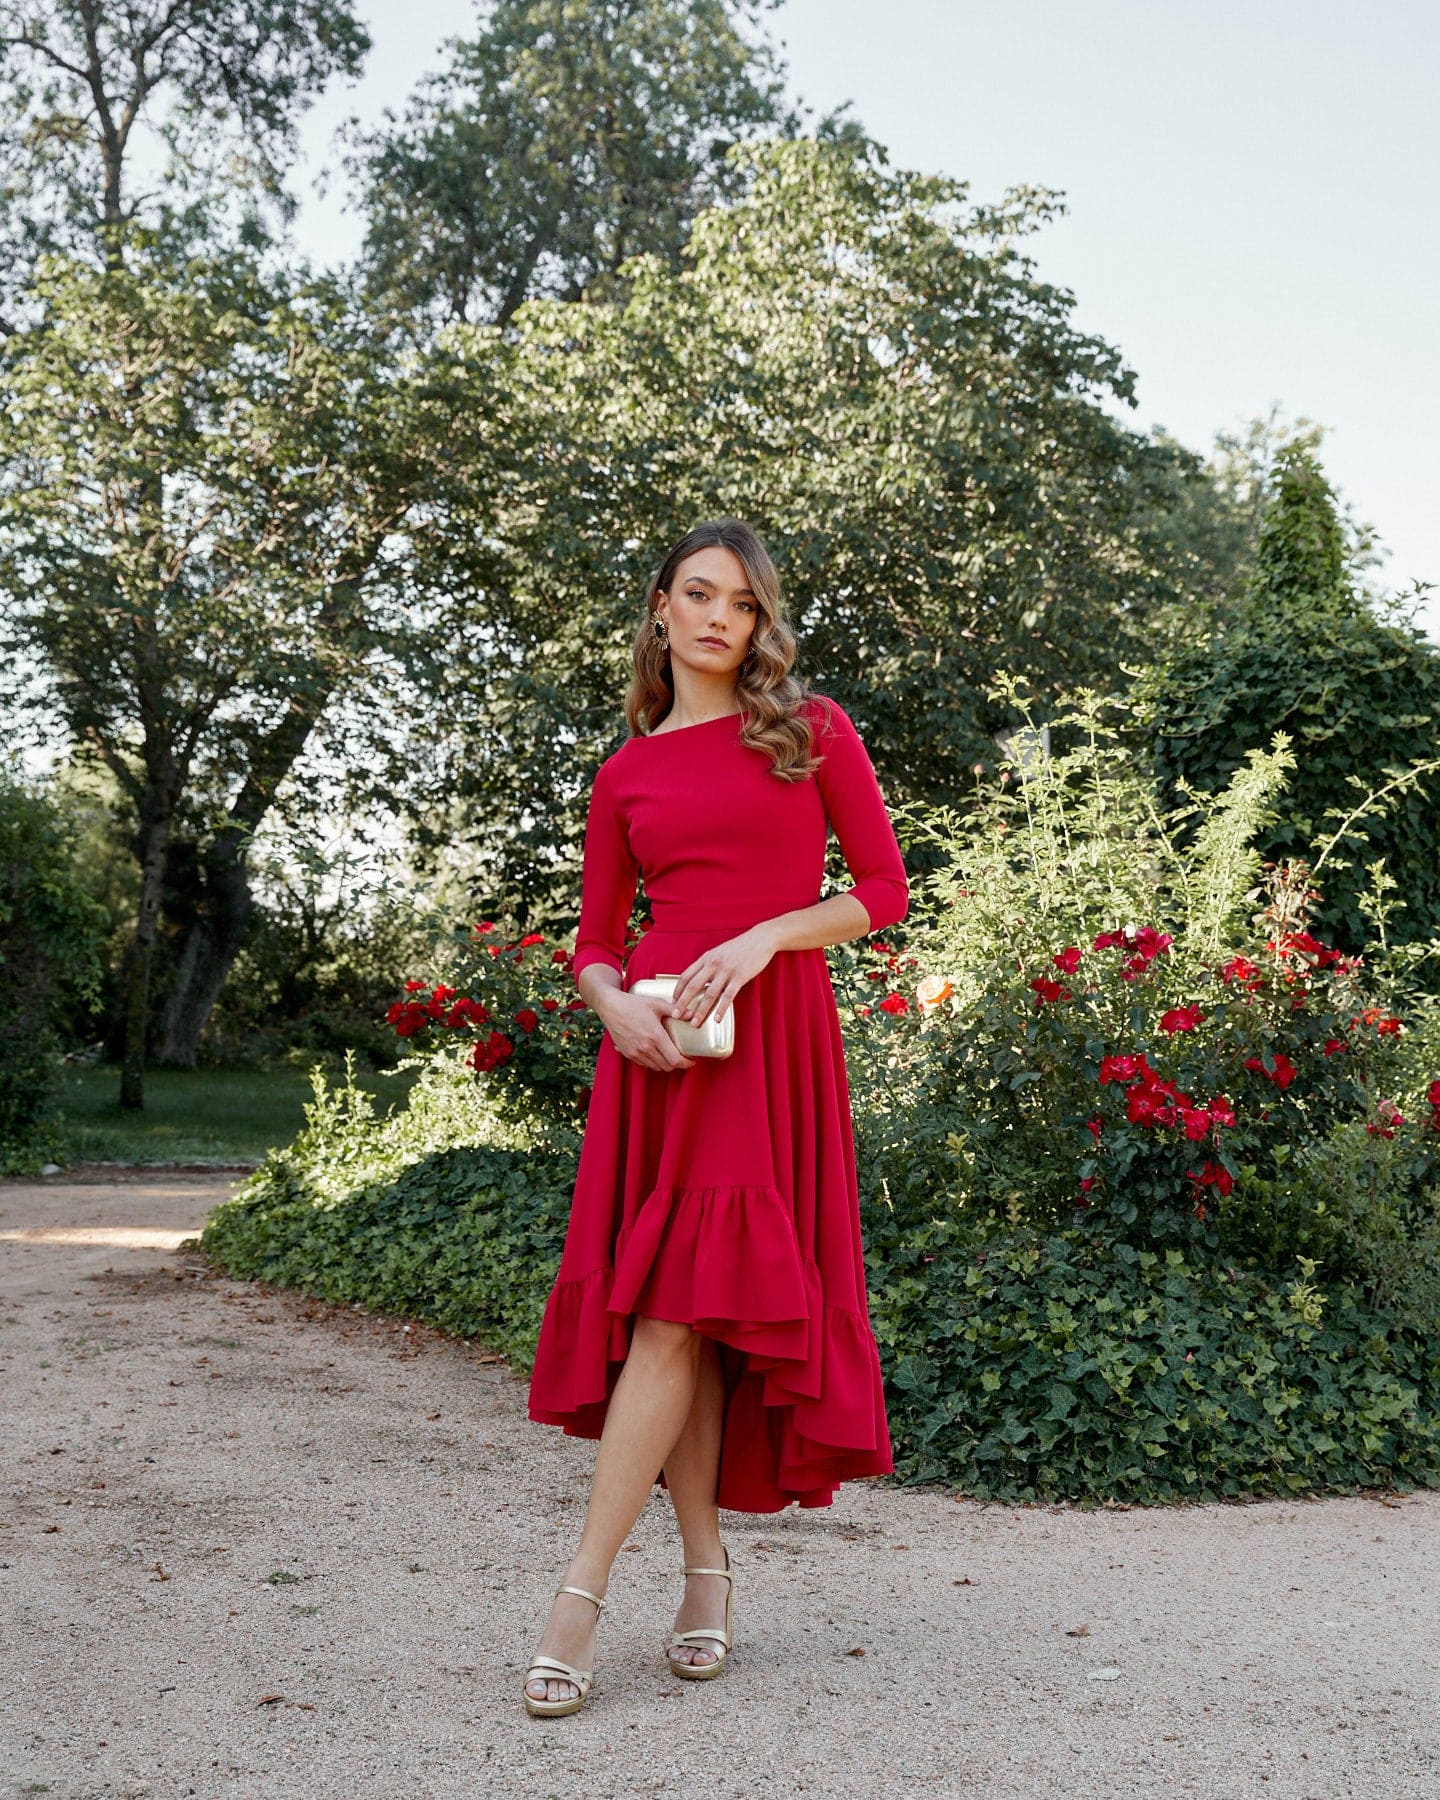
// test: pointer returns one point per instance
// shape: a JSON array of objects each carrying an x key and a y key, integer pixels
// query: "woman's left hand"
[{"x": 726, "y": 969}]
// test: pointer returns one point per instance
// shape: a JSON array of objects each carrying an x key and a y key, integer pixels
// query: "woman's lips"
[{"x": 715, "y": 642}]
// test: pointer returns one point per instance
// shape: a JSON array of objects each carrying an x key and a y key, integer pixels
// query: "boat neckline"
[{"x": 697, "y": 725}]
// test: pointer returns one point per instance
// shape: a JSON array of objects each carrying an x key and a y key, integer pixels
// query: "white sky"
[{"x": 1251, "y": 190}]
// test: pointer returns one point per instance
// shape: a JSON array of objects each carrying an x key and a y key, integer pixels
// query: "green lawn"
[{"x": 200, "y": 1115}]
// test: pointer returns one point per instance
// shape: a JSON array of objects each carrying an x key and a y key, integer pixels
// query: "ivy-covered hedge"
[
  {"x": 1021, "y": 1367},
  {"x": 1149, "y": 1173},
  {"x": 1047, "y": 1368}
]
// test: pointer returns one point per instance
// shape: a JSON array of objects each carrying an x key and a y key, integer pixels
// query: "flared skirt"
[{"x": 724, "y": 1196}]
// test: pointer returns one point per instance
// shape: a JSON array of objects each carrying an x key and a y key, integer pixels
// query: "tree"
[
  {"x": 864, "y": 364},
  {"x": 1307, "y": 654},
  {"x": 206, "y": 475},
  {"x": 207, "y": 95},
  {"x": 567, "y": 137}
]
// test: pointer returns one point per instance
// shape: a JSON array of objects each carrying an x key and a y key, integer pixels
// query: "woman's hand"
[
  {"x": 636, "y": 1022},
  {"x": 712, "y": 981}
]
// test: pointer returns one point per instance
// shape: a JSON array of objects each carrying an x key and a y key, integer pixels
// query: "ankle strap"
[
  {"x": 691, "y": 1570},
  {"x": 578, "y": 1590}
]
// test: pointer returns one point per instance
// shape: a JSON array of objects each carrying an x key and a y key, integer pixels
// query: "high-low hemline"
[{"x": 723, "y": 1196}]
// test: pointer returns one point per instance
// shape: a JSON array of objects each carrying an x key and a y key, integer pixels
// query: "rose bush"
[
  {"x": 1128, "y": 1039},
  {"x": 1147, "y": 1170}
]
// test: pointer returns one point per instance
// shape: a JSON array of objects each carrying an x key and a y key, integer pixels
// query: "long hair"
[{"x": 770, "y": 696}]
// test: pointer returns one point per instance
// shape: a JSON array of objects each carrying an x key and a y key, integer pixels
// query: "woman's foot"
[
  {"x": 570, "y": 1635},
  {"x": 704, "y": 1604}
]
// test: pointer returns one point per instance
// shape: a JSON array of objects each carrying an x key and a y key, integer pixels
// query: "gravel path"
[{"x": 253, "y": 1545}]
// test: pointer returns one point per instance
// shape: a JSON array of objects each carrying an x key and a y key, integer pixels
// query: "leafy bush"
[
  {"x": 1154, "y": 1335},
  {"x": 1021, "y": 1367},
  {"x": 1105, "y": 1031},
  {"x": 1045, "y": 1367},
  {"x": 438, "y": 1211},
  {"x": 1359, "y": 697},
  {"x": 51, "y": 934}
]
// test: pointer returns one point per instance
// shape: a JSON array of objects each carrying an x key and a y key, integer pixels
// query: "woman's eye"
[{"x": 700, "y": 594}]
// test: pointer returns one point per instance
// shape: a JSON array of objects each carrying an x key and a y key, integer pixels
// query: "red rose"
[
  {"x": 1067, "y": 960},
  {"x": 1284, "y": 1072},
  {"x": 1240, "y": 969},
  {"x": 895, "y": 1003},
  {"x": 1046, "y": 989},
  {"x": 527, "y": 1018},
  {"x": 1182, "y": 1018}
]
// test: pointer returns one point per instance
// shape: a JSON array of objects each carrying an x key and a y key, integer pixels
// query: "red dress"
[{"x": 724, "y": 1195}]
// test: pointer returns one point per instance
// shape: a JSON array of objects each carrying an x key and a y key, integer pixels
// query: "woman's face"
[{"x": 710, "y": 598}]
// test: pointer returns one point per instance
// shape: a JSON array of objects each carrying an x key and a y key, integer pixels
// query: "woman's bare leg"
[
  {"x": 647, "y": 1412},
  {"x": 691, "y": 1474}
]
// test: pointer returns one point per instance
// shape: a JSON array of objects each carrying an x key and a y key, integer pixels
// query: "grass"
[{"x": 199, "y": 1115}]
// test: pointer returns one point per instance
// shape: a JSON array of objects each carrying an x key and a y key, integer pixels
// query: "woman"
[{"x": 709, "y": 1321}]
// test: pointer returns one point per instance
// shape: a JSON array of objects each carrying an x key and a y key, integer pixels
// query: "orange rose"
[{"x": 931, "y": 991}]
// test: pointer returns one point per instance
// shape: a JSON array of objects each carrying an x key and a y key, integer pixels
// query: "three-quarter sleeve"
[
  {"x": 856, "y": 809},
  {"x": 608, "y": 881}
]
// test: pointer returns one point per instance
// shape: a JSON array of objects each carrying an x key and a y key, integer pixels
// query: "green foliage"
[
  {"x": 442, "y": 1211},
  {"x": 864, "y": 362},
  {"x": 51, "y": 935},
  {"x": 1092, "y": 1027},
  {"x": 1357, "y": 696},
  {"x": 216, "y": 85},
  {"x": 1037, "y": 1367},
  {"x": 557, "y": 143},
  {"x": 1020, "y": 1366}
]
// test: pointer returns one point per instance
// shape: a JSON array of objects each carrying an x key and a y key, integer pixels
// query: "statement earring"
[{"x": 662, "y": 630}]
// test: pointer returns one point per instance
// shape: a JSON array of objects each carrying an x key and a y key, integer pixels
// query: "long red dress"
[{"x": 724, "y": 1195}]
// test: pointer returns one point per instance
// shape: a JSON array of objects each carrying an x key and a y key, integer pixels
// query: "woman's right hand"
[{"x": 636, "y": 1023}]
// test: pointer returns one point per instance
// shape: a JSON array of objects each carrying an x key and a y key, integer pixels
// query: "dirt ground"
[{"x": 323, "y": 1575}]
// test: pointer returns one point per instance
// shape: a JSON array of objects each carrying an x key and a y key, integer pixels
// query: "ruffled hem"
[{"x": 804, "y": 1407}]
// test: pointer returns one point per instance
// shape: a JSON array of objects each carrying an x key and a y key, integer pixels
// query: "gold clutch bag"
[{"x": 708, "y": 1039}]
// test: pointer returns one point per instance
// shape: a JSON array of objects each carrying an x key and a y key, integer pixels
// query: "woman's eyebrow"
[{"x": 710, "y": 584}]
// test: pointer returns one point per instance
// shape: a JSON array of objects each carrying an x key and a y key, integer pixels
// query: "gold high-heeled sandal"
[
  {"x": 548, "y": 1668},
  {"x": 703, "y": 1671}
]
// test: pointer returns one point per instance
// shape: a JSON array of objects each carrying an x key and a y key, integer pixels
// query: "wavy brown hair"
[{"x": 770, "y": 696}]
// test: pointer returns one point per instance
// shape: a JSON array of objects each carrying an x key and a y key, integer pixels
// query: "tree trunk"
[
  {"x": 154, "y": 842},
  {"x": 207, "y": 954}
]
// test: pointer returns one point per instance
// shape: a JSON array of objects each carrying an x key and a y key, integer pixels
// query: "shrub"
[
  {"x": 1104, "y": 1029},
  {"x": 1154, "y": 1335},
  {"x": 1033, "y": 1367},
  {"x": 51, "y": 934},
  {"x": 1358, "y": 696}
]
